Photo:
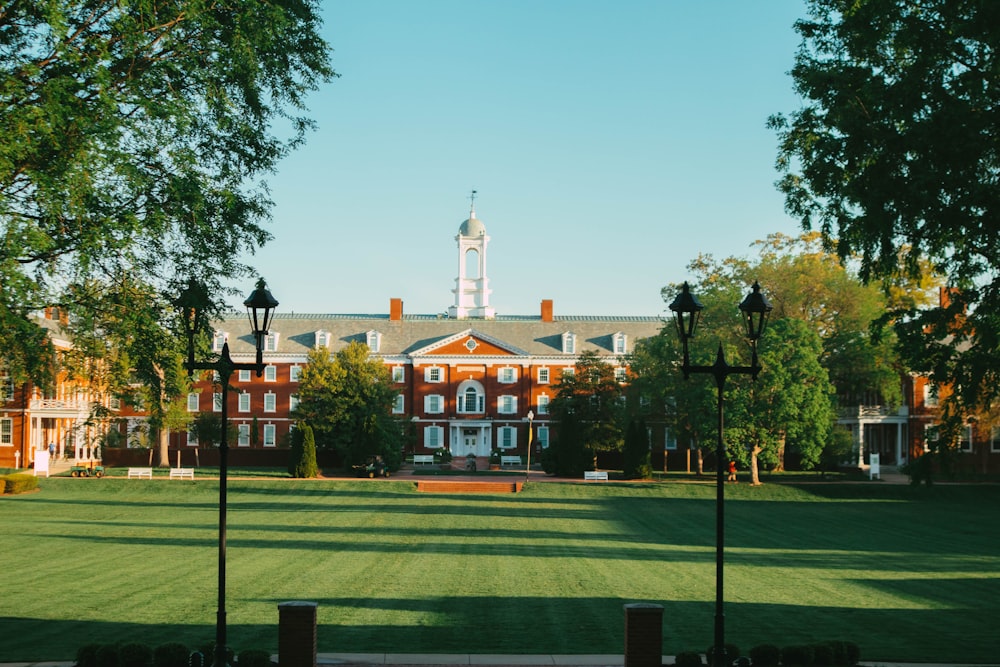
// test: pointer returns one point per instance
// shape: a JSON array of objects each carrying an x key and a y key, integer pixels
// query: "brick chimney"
[
  {"x": 395, "y": 310},
  {"x": 547, "y": 310}
]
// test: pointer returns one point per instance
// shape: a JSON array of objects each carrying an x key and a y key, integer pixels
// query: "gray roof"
[{"x": 520, "y": 334}]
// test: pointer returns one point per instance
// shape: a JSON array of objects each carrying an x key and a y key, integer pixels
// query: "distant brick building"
[{"x": 467, "y": 378}]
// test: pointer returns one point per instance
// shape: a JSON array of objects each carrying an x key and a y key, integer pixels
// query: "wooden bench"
[
  {"x": 510, "y": 460},
  {"x": 590, "y": 475},
  {"x": 139, "y": 473},
  {"x": 182, "y": 473},
  {"x": 423, "y": 459}
]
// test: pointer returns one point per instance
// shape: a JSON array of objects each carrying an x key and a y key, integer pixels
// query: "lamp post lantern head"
[
  {"x": 756, "y": 309},
  {"x": 687, "y": 309},
  {"x": 260, "y": 309}
]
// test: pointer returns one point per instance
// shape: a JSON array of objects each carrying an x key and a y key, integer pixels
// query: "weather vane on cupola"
[{"x": 472, "y": 208}]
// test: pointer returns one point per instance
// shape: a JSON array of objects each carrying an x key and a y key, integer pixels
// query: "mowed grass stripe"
[{"x": 909, "y": 574}]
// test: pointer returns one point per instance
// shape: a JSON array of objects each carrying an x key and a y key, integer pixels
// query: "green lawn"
[{"x": 909, "y": 574}]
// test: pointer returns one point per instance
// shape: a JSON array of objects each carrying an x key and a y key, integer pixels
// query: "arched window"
[{"x": 471, "y": 398}]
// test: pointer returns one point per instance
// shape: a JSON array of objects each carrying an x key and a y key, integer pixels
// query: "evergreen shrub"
[
  {"x": 688, "y": 659},
  {"x": 107, "y": 655},
  {"x": 253, "y": 657},
  {"x": 86, "y": 656},
  {"x": 765, "y": 655},
  {"x": 172, "y": 654},
  {"x": 18, "y": 483},
  {"x": 732, "y": 653},
  {"x": 823, "y": 655},
  {"x": 135, "y": 654},
  {"x": 797, "y": 656},
  {"x": 853, "y": 653}
]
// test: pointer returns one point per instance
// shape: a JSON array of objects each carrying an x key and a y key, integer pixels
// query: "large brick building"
[{"x": 467, "y": 378}]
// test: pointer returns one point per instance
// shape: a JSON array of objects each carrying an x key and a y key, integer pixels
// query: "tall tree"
[
  {"x": 894, "y": 157},
  {"x": 135, "y": 138},
  {"x": 587, "y": 413},
  {"x": 347, "y": 400}
]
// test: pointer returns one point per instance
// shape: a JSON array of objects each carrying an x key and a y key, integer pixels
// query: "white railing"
[
  {"x": 872, "y": 411},
  {"x": 59, "y": 404}
]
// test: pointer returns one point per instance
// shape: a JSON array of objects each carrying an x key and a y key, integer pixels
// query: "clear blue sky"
[{"x": 610, "y": 143}]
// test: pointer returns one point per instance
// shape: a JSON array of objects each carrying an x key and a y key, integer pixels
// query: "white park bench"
[
  {"x": 590, "y": 475},
  {"x": 510, "y": 460},
  {"x": 423, "y": 459},
  {"x": 139, "y": 473},
  {"x": 182, "y": 473}
]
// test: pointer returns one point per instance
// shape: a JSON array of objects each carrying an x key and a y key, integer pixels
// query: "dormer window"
[
  {"x": 374, "y": 339},
  {"x": 218, "y": 340},
  {"x": 618, "y": 343},
  {"x": 322, "y": 338},
  {"x": 271, "y": 342},
  {"x": 569, "y": 343}
]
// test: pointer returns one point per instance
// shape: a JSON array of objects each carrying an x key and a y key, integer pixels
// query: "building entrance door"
[{"x": 470, "y": 438}]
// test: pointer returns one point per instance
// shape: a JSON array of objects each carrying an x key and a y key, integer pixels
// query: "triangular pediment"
[{"x": 469, "y": 343}]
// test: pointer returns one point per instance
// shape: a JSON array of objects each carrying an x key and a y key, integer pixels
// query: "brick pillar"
[
  {"x": 643, "y": 635},
  {"x": 297, "y": 634}
]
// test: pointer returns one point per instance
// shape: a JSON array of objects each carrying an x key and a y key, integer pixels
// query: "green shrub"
[
  {"x": 688, "y": 659},
  {"x": 107, "y": 655},
  {"x": 135, "y": 655},
  {"x": 797, "y": 656},
  {"x": 253, "y": 657},
  {"x": 19, "y": 483},
  {"x": 86, "y": 656},
  {"x": 173, "y": 654},
  {"x": 765, "y": 655},
  {"x": 853, "y": 653},
  {"x": 823, "y": 655},
  {"x": 732, "y": 652},
  {"x": 839, "y": 650},
  {"x": 197, "y": 659}
]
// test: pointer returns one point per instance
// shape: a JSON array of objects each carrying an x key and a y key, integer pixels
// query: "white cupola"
[{"x": 472, "y": 291}]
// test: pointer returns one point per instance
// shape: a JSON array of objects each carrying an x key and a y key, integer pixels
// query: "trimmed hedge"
[{"x": 18, "y": 483}]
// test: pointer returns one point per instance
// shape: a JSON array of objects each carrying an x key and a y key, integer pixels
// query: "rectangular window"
[
  {"x": 432, "y": 436},
  {"x": 433, "y": 374},
  {"x": 322, "y": 339},
  {"x": 965, "y": 444},
  {"x": 398, "y": 374},
  {"x": 217, "y": 402},
  {"x": 244, "y": 405},
  {"x": 270, "y": 402},
  {"x": 669, "y": 440},
  {"x": 244, "y": 376},
  {"x": 507, "y": 375},
  {"x": 569, "y": 371},
  {"x": 619, "y": 343},
  {"x": 270, "y": 373},
  {"x": 569, "y": 343},
  {"x": 507, "y": 404},
  {"x": 271, "y": 342},
  {"x": 930, "y": 395},
  {"x": 930, "y": 436},
  {"x": 397, "y": 405},
  {"x": 543, "y": 436},
  {"x": 543, "y": 404},
  {"x": 269, "y": 435},
  {"x": 6, "y": 388},
  {"x": 192, "y": 439},
  {"x": 192, "y": 402},
  {"x": 620, "y": 375},
  {"x": 295, "y": 372},
  {"x": 243, "y": 440},
  {"x": 293, "y": 402},
  {"x": 508, "y": 437},
  {"x": 6, "y": 432},
  {"x": 218, "y": 341},
  {"x": 434, "y": 404},
  {"x": 543, "y": 376}
]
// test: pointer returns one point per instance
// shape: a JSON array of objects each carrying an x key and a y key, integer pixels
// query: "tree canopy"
[
  {"x": 135, "y": 138},
  {"x": 895, "y": 157},
  {"x": 347, "y": 400}
]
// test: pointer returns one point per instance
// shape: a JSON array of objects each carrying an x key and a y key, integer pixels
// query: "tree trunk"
[
  {"x": 754, "y": 476},
  {"x": 701, "y": 462},
  {"x": 163, "y": 448}
]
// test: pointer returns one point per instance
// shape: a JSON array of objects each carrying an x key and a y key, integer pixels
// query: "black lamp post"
[
  {"x": 755, "y": 310},
  {"x": 260, "y": 309}
]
